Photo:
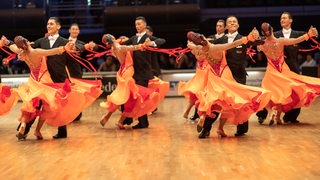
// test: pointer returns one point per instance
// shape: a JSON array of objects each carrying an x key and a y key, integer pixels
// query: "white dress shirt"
[
  {"x": 52, "y": 39},
  {"x": 232, "y": 36},
  {"x": 140, "y": 35},
  {"x": 286, "y": 32}
]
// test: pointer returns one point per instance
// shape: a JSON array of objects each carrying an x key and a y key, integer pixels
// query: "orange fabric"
[
  {"x": 61, "y": 102},
  {"x": 162, "y": 87},
  {"x": 8, "y": 98},
  {"x": 289, "y": 90},
  {"x": 137, "y": 100},
  {"x": 223, "y": 94},
  {"x": 196, "y": 83}
]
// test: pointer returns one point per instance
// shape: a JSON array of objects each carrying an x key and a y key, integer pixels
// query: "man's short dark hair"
[
  {"x": 149, "y": 28},
  {"x": 222, "y": 21},
  {"x": 289, "y": 14},
  {"x": 56, "y": 19},
  {"x": 74, "y": 24},
  {"x": 231, "y": 17},
  {"x": 141, "y": 18}
]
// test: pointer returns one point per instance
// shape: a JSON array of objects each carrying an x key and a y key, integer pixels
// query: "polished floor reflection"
[{"x": 168, "y": 149}]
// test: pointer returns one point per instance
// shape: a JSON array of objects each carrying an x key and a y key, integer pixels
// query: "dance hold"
[
  {"x": 56, "y": 104},
  {"x": 289, "y": 89},
  {"x": 135, "y": 99},
  {"x": 221, "y": 93}
]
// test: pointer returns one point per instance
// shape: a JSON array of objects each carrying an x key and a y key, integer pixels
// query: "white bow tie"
[
  {"x": 139, "y": 34},
  {"x": 284, "y": 31},
  {"x": 73, "y": 39},
  {"x": 231, "y": 36},
  {"x": 51, "y": 38}
]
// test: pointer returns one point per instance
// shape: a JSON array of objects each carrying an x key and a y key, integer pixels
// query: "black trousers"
[
  {"x": 292, "y": 115},
  {"x": 207, "y": 125},
  {"x": 262, "y": 114}
]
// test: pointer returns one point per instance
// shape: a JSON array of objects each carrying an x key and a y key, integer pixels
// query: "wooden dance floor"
[{"x": 168, "y": 149}]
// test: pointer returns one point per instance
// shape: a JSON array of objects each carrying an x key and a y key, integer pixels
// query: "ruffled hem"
[
  {"x": 162, "y": 87},
  {"x": 196, "y": 84},
  {"x": 146, "y": 102},
  {"x": 61, "y": 102},
  {"x": 290, "y": 90},
  {"x": 235, "y": 101},
  {"x": 8, "y": 98}
]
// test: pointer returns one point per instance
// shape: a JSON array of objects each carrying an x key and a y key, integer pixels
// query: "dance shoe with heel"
[
  {"x": 21, "y": 135},
  {"x": 120, "y": 125},
  {"x": 221, "y": 133},
  {"x": 200, "y": 123},
  {"x": 38, "y": 135},
  {"x": 103, "y": 121},
  {"x": 273, "y": 115}
]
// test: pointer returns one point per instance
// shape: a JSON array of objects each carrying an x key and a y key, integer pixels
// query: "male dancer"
[
  {"x": 236, "y": 60},
  {"x": 74, "y": 32},
  {"x": 142, "y": 64}
]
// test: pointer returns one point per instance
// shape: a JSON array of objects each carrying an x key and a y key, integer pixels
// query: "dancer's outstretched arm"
[
  {"x": 254, "y": 34},
  {"x": 311, "y": 33}
]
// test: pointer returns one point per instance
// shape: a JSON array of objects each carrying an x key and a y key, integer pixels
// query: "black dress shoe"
[
  {"x": 203, "y": 134},
  {"x": 127, "y": 121},
  {"x": 295, "y": 121},
  {"x": 239, "y": 134},
  {"x": 291, "y": 121},
  {"x": 59, "y": 136},
  {"x": 139, "y": 126},
  {"x": 193, "y": 118},
  {"x": 286, "y": 121},
  {"x": 78, "y": 117},
  {"x": 261, "y": 120}
]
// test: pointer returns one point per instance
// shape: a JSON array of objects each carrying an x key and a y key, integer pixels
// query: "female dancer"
[
  {"x": 8, "y": 97},
  {"x": 137, "y": 100},
  {"x": 222, "y": 93},
  {"x": 197, "y": 82},
  {"x": 289, "y": 90},
  {"x": 59, "y": 101}
]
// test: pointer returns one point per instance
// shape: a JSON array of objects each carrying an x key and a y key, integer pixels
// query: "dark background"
[{"x": 170, "y": 19}]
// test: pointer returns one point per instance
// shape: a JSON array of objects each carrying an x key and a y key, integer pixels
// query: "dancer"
[
  {"x": 137, "y": 100},
  {"x": 289, "y": 89},
  {"x": 236, "y": 60},
  {"x": 74, "y": 31},
  {"x": 222, "y": 94},
  {"x": 196, "y": 83},
  {"x": 290, "y": 57},
  {"x": 220, "y": 29},
  {"x": 57, "y": 100},
  {"x": 60, "y": 67},
  {"x": 142, "y": 65}
]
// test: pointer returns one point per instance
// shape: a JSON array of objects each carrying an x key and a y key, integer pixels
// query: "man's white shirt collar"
[
  {"x": 286, "y": 32},
  {"x": 231, "y": 36}
]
